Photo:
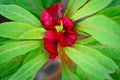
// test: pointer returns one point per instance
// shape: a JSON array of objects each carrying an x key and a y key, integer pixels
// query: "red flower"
[{"x": 60, "y": 30}]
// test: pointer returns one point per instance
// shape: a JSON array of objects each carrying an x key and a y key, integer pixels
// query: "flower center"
[{"x": 60, "y": 28}]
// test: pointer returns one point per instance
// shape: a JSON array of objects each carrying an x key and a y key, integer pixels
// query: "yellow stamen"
[{"x": 60, "y": 28}]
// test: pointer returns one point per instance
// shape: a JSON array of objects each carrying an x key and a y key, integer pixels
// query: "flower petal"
[
  {"x": 68, "y": 38},
  {"x": 50, "y": 43},
  {"x": 51, "y": 15},
  {"x": 67, "y": 23}
]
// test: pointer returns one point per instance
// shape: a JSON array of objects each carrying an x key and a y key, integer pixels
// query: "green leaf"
[
  {"x": 34, "y": 53},
  {"x": 67, "y": 74},
  {"x": 37, "y": 33},
  {"x": 4, "y": 40},
  {"x": 17, "y": 13},
  {"x": 114, "y": 10},
  {"x": 115, "y": 3},
  {"x": 88, "y": 63},
  {"x": 115, "y": 13},
  {"x": 83, "y": 75},
  {"x": 34, "y": 6},
  {"x": 116, "y": 76},
  {"x": 111, "y": 52},
  {"x": 30, "y": 68},
  {"x": 7, "y": 1},
  {"x": 14, "y": 29},
  {"x": 86, "y": 76},
  {"x": 118, "y": 63},
  {"x": 102, "y": 29},
  {"x": 73, "y": 6},
  {"x": 90, "y": 8},
  {"x": 18, "y": 30},
  {"x": 10, "y": 67},
  {"x": 107, "y": 62},
  {"x": 117, "y": 19},
  {"x": 6, "y": 78},
  {"x": 14, "y": 49},
  {"x": 48, "y": 3},
  {"x": 30, "y": 78},
  {"x": 87, "y": 41}
]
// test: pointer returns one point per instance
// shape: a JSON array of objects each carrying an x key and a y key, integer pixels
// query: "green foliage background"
[{"x": 22, "y": 49}]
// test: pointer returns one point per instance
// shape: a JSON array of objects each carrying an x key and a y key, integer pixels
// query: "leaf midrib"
[
  {"x": 30, "y": 68},
  {"x": 85, "y": 11},
  {"x": 35, "y": 6},
  {"x": 21, "y": 16},
  {"x": 92, "y": 66},
  {"x": 97, "y": 59},
  {"x": 11, "y": 68},
  {"x": 102, "y": 29},
  {"x": 17, "y": 47}
]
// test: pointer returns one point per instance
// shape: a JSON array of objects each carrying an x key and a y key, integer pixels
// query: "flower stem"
[{"x": 64, "y": 57}]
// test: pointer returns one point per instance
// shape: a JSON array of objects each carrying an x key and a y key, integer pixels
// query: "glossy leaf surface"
[
  {"x": 14, "y": 49},
  {"x": 90, "y": 8},
  {"x": 102, "y": 29},
  {"x": 17, "y": 13}
]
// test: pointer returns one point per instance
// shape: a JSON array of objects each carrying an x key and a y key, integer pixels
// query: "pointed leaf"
[
  {"x": 114, "y": 10},
  {"x": 86, "y": 76},
  {"x": 87, "y": 63},
  {"x": 102, "y": 29},
  {"x": 14, "y": 49},
  {"x": 67, "y": 74},
  {"x": 17, "y": 13},
  {"x": 4, "y": 40},
  {"x": 115, "y": 13},
  {"x": 18, "y": 30},
  {"x": 83, "y": 75},
  {"x": 30, "y": 68},
  {"x": 6, "y": 78},
  {"x": 37, "y": 33},
  {"x": 90, "y": 8},
  {"x": 34, "y": 6},
  {"x": 10, "y": 67},
  {"x": 111, "y": 52},
  {"x": 115, "y": 3},
  {"x": 105, "y": 61},
  {"x": 30, "y": 78},
  {"x": 117, "y": 19},
  {"x": 34, "y": 53},
  {"x": 73, "y": 6},
  {"x": 14, "y": 29}
]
